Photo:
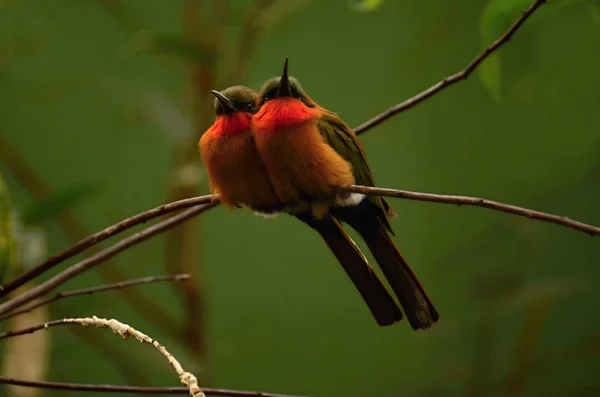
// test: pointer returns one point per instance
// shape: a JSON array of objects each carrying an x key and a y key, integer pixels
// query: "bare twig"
[
  {"x": 373, "y": 191},
  {"x": 450, "y": 80},
  {"x": 101, "y": 288},
  {"x": 477, "y": 202},
  {"x": 101, "y": 236},
  {"x": 100, "y": 257},
  {"x": 133, "y": 389},
  {"x": 125, "y": 331}
]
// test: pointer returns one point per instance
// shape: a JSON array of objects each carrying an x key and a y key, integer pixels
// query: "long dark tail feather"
[
  {"x": 417, "y": 306},
  {"x": 373, "y": 291}
]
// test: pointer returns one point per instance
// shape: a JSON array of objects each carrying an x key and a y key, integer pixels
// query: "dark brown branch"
[
  {"x": 101, "y": 236},
  {"x": 101, "y": 288},
  {"x": 403, "y": 194},
  {"x": 477, "y": 202},
  {"x": 133, "y": 389},
  {"x": 450, "y": 80},
  {"x": 103, "y": 255}
]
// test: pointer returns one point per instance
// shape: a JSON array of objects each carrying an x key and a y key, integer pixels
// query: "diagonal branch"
[
  {"x": 477, "y": 202},
  {"x": 101, "y": 288},
  {"x": 450, "y": 80},
  {"x": 124, "y": 331},
  {"x": 100, "y": 257},
  {"x": 133, "y": 389},
  {"x": 185, "y": 203},
  {"x": 101, "y": 236}
]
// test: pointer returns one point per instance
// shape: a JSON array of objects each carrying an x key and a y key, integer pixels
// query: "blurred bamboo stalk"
[
  {"x": 483, "y": 342},
  {"x": 184, "y": 244},
  {"x": 536, "y": 315},
  {"x": 27, "y": 358}
]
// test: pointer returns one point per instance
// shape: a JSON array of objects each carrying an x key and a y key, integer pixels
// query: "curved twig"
[
  {"x": 450, "y": 80},
  {"x": 477, "y": 202},
  {"x": 101, "y": 236},
  {"x": 100, "y": 288},
  {"x": 125, "y": 331},
  {"x": 101, "y": 256},
  {"x": 133, "y": 389},
  {"x": 177, "y": 205}
]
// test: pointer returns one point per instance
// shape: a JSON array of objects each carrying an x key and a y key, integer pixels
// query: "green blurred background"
[{"x": 101, "y": 107}]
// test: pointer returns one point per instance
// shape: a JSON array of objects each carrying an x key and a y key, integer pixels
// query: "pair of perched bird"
[{"x": 279, "y": 151}]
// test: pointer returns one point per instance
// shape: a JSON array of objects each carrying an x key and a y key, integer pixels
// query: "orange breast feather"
[
  {"x": 234, "y": 166},
  {"x": 301, "y": 165}
]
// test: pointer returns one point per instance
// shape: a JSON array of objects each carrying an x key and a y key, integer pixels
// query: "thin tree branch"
[
  {"x": 477, "y": 202},
  {"x": 133, "y": 389},
  {"x": 125, "y": 331},
  {"x": 101, "y": 236},
  {"x": 101, "y": 288},
  {"x": 371, "y": 191},
  {"x": 100, "y": 257},
  {"x": 450, "y": 80}
]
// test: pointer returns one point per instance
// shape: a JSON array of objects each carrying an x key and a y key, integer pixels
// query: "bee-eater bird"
[
  {"x": 235, "y": 169},
  {"x": 238, "y": 174},
  {"x": 310, "y": 153}
]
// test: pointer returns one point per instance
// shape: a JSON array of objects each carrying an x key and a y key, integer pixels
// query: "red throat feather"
[
  {"x": 232, "y": 124},
  {"x": 282, "y": 112}
]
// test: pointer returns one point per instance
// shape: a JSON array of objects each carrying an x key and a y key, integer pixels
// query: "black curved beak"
[
  {"x": 284, "y": 83},
  {"x": 226, "y": 102}
]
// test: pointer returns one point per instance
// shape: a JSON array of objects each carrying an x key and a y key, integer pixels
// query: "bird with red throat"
[
  {"x": 310, "y": 153},
  {"x": 238, "y": 174}
]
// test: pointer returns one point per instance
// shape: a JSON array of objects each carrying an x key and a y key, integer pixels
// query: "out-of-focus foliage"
[
  {"x": 499, "y": 15},
  {"x": 366, "y": 5},
  {"x": 81, "y": 103},
  {"x": 50, "y": 208},
  {"x": 8, "y": 246},
  {"x": 172, "y": 45}
]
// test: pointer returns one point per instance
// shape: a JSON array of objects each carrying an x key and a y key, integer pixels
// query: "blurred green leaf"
[
  {"x": 497, "y": 17},
  {"x": 366, "y": 5},
  {"x": 173, "y": 45},
  {"x": 594, "y": 10},
  {"x": 8, "y": 245},
  {"x": 490, "y": 75},
  {"x": 58, "y": 203}
]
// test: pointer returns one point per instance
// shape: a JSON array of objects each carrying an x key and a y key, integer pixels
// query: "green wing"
[{"x": 345, "y": 142}]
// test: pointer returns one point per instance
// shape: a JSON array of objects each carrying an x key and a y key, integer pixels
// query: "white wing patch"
[
  {"x": 351, "y": 200},
  {"x": 266, "y": 215}
]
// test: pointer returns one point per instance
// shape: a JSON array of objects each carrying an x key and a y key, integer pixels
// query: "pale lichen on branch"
[{"x": 125, "y": 331}]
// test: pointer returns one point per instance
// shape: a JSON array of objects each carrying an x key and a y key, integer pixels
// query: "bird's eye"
[
  {"x": 249, "y": 106},
  {"x": 266, "y": 98}
]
